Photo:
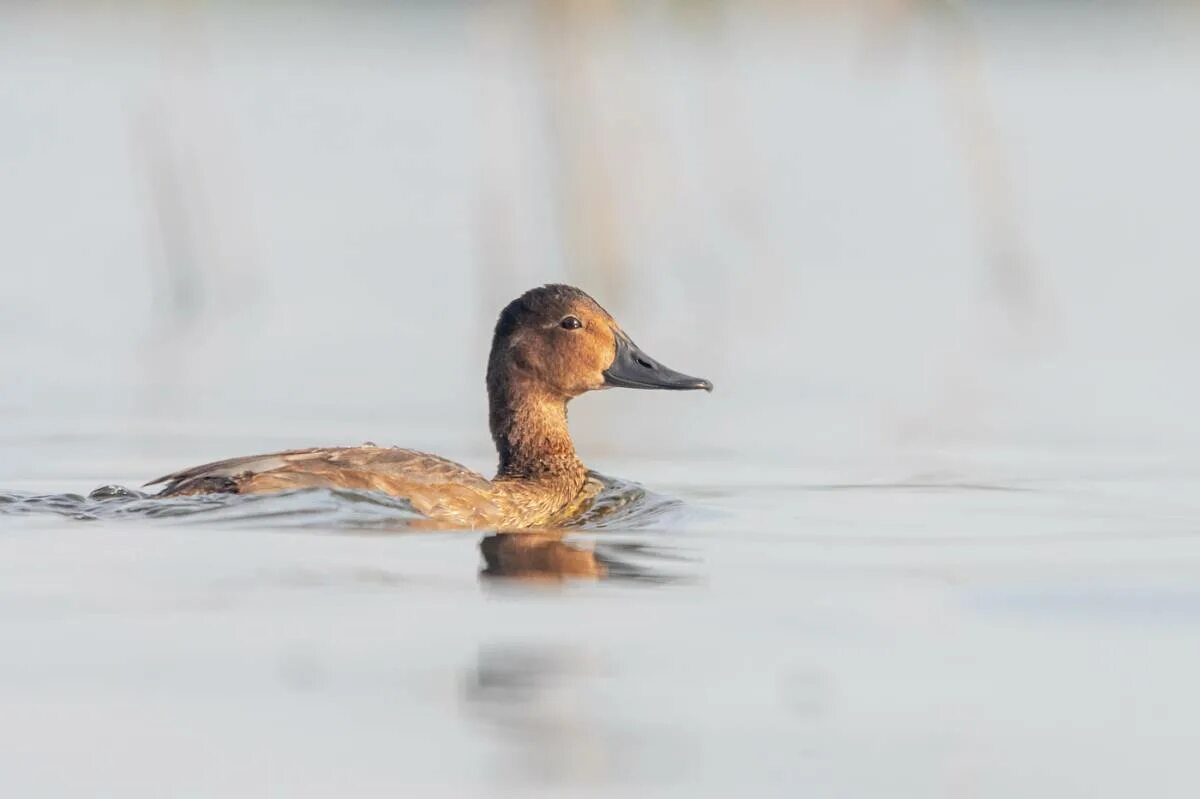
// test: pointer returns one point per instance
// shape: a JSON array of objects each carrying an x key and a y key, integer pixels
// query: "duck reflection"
[
  {"x": 539, "y": 557},
  {"x": 539, "y": 703},
  {"x": 546, "y": 709},
  {"x": 548, "y": 556}
]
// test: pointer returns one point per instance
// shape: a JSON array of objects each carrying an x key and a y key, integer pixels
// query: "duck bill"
[{"x": 632, "y": 368}]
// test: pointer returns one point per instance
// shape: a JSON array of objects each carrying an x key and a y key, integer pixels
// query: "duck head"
[{"x": 559, "y": 339}]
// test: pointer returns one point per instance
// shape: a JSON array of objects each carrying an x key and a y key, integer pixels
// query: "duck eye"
[{"x": 570, "y": 323}]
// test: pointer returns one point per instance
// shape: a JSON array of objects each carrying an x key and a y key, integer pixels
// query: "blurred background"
[
  {"x": 939, "y": 258},
  {"x": 878, "y": 226}
]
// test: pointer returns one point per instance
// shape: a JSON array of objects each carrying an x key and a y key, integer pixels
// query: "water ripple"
[{"x": 618, "y": 505}]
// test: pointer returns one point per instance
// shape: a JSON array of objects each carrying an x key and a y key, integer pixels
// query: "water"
[
  {"x": 934, "y": 534},
  {"x": 617, "y": 503},
  {"x": 740, "y": 634}
]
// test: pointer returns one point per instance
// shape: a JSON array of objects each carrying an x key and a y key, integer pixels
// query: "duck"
[{"x": 550, "y": 345}]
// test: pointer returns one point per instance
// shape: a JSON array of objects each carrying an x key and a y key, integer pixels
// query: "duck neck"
[{"x": 529, "y": 426}]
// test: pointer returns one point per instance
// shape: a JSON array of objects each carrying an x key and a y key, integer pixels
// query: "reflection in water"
[
  {"x": 546, "y": 556},
  {"x": 535, "y": 697},
  {"x": 548, "y": 711},
  {"x": 535, "y": 557}
]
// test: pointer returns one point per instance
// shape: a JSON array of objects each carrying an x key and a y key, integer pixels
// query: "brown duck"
[{"x": 551, "y": 344}]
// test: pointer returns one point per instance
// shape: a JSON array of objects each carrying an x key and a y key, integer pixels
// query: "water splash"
[{"x": 617, "y": 504}]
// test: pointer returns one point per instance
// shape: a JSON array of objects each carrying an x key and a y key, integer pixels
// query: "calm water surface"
[{"x": 740, "y": 628}]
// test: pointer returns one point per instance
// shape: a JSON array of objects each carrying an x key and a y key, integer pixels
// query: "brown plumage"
[{"x": 550, "y": 345}]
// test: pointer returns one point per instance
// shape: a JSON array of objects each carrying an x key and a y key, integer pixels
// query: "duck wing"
[
  {"x": 423, "y": 478},
  {"x": 232, "y": 466}
]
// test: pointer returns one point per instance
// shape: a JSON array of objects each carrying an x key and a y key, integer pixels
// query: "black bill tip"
[{"x": 632, "y": 368}]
